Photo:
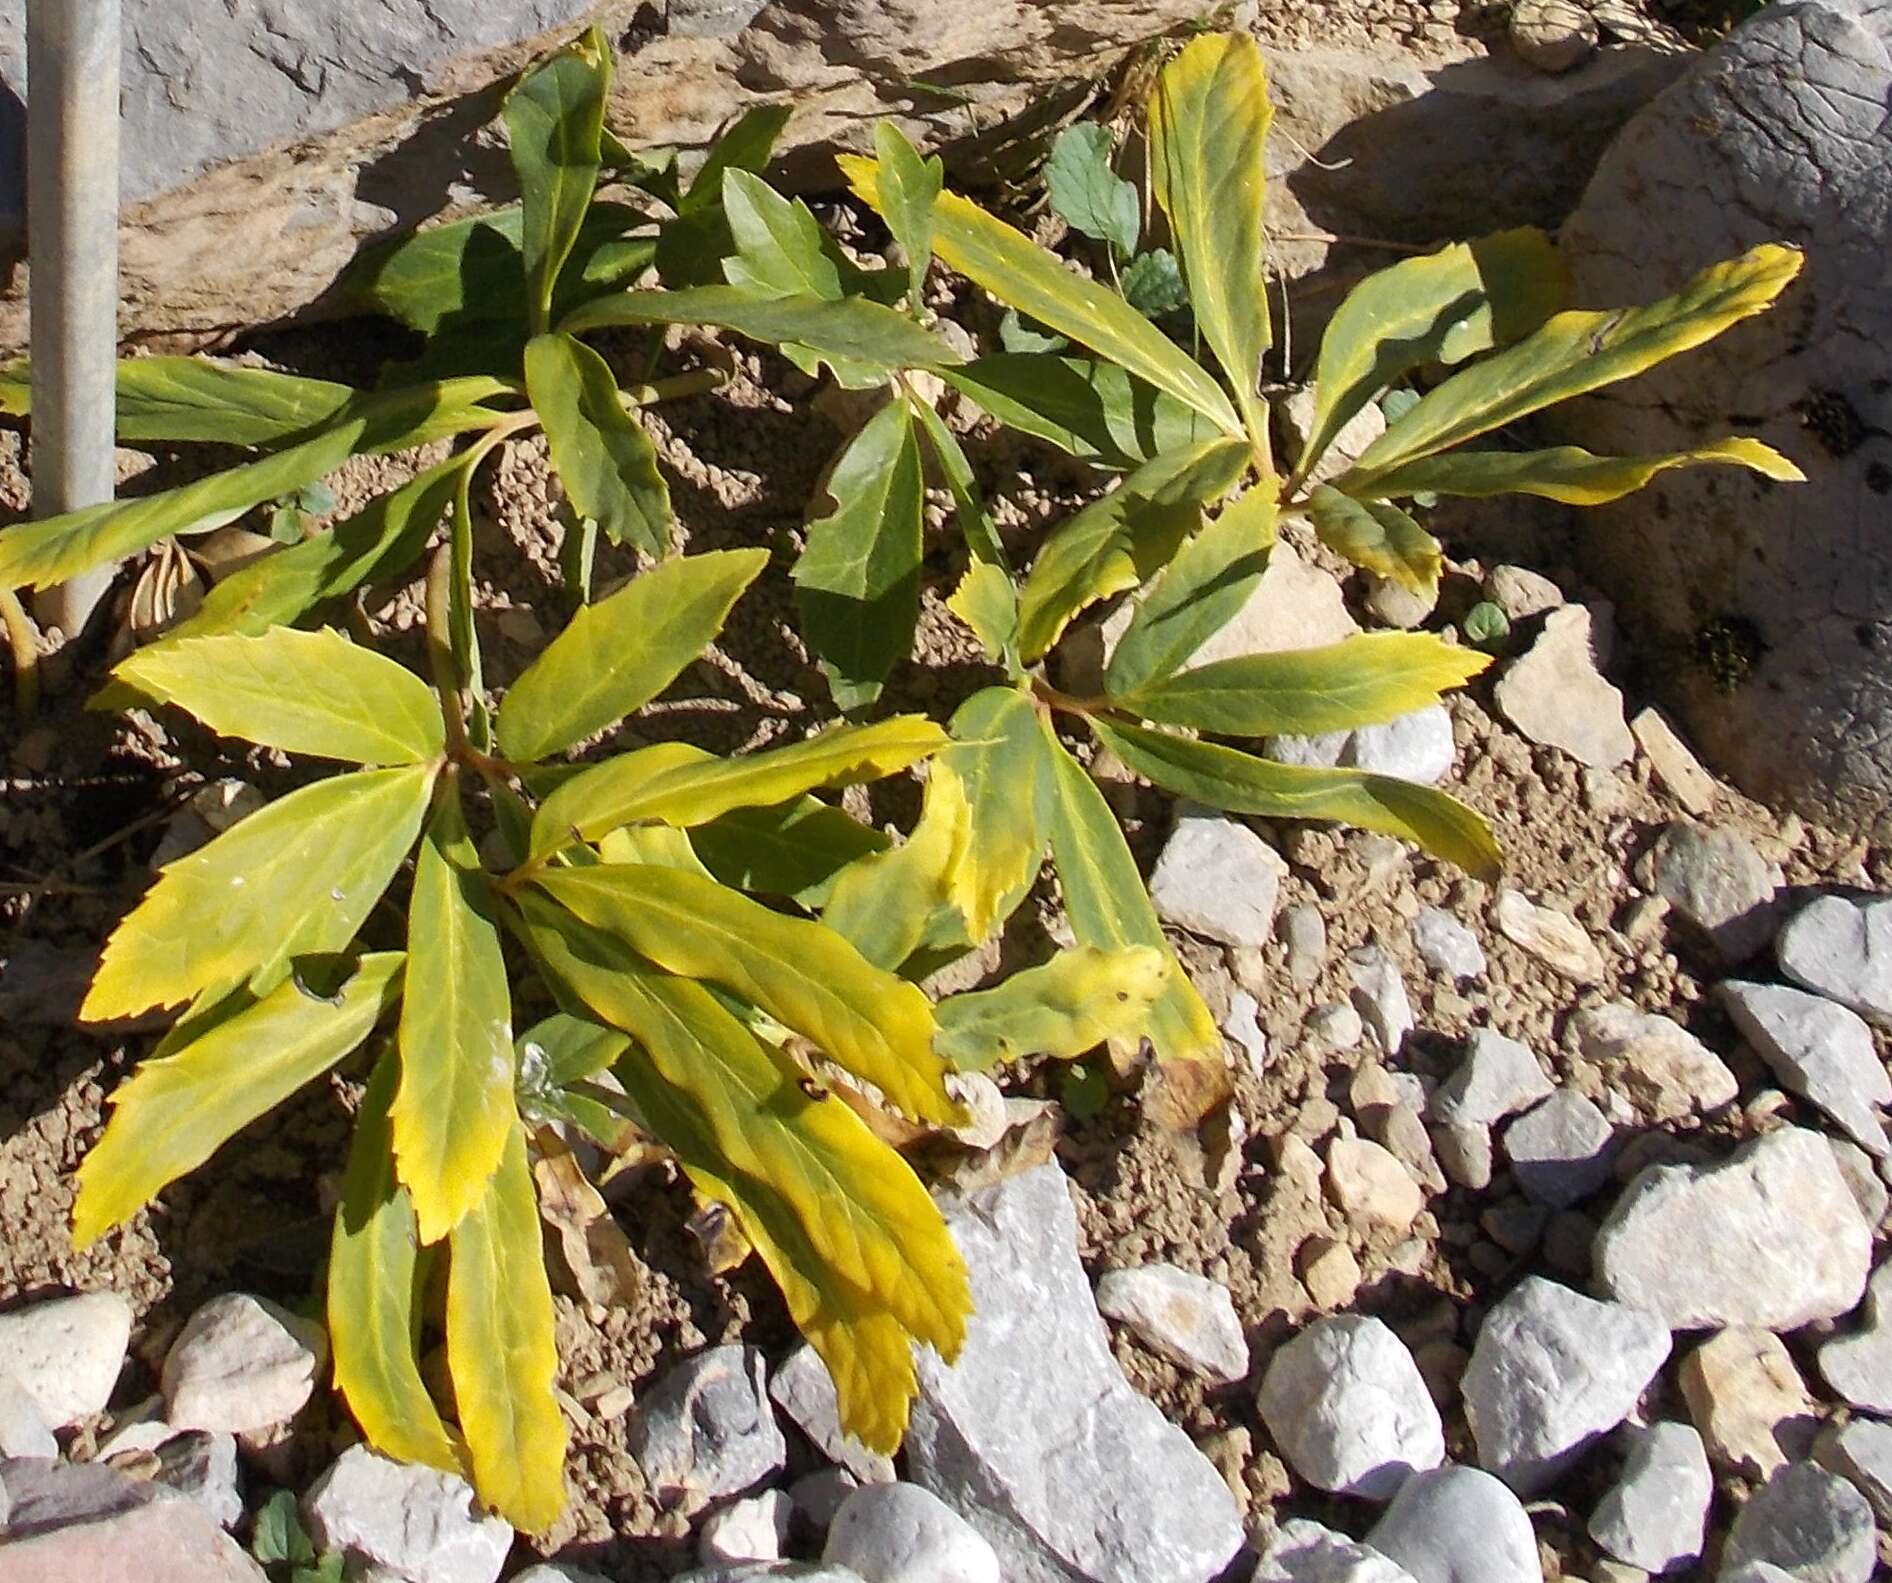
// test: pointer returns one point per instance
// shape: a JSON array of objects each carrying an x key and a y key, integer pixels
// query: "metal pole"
[{"x": 72, "y": 245}]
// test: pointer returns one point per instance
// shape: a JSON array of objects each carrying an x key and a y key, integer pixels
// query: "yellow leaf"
[
  {"x": 1083, "y": 996},
  {"x": 998, "y": 754},
  {"x": 372, "y": 1273},
  {"x": 1379, "y": 536},
  {"x": 293, "y": 879},
  {"x": 1569, "y": 473},
  {"x": 502, "y": 1349},
  {"x": 887, "y": 905},
  {"x": 215, "y": 1073}
]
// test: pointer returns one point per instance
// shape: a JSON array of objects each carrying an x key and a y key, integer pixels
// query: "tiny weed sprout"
[{"x": 511, "y": 946}]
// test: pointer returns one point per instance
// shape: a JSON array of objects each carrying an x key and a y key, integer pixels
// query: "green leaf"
[
  {"x": 1094, "y": 410},
  {"x": 278, "y": 1535},
  {"x": 620, "y": 653},
  {"x": 1085, "y": 192},
  {"x": 1574, "y": 354},
  {"x": 1445, "y": 307},
  {"x": 982, "y": 536},
  {"x": 912, "y": 185},
  {"x": 851, "y": 331},
  {"x": 858, "y": 1248},
  {"x": 1118, "y": 541},
  {"x": 373, "y": 1270},
  {"x": 987, "y": 601},
  {"x": 684, "y": 786},
  {"x": 502, "y": 1349},
  {"x": 1017, "y": 336},
  {"x": 455, "y": 1109},
  {"x": 1153, "y": 284},
  {"x": 998, "y": 754},
  {"x": 215, "y": 1073},
  {"x": 1242, "y": 783},
  {"x": 1079, "y": 999},
  {"x": 793, "y": 849},
  {"x": 295, "y": 878},
  {"x": 1486, "y": 626},
  {"x": 1379, "y": 536},
  {"x": 805, "y": 976},
  {"x": 778, "y": 243},
  {"x": 554, "y": 122},
  {"x": 1570, "y": 474},
  {"x": 561, "y": 1049},
  {"x": 193, "y": 398},
  {"x": 300, "y": 692},
  {"x": 603, "y": 456},
  {"x": 893, "y": 904},
  {"x": 1203, "y": 590},
  {"x": 1305, "y": 692},
  {"x": 1018, "y": 272},
  {"x": 858, "y": 579},
  {"x": 1209, "y": 120},
  {"x": 747, "y": 145}
]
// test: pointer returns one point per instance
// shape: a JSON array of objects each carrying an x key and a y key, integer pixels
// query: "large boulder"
[{"x": 1764, "y": 610}]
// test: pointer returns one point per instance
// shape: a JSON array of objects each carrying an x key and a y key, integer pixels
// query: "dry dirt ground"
[{"x": 86, "y": 798}]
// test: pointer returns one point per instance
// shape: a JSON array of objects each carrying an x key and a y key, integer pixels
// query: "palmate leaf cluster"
[{"x": 505, "y": 940}]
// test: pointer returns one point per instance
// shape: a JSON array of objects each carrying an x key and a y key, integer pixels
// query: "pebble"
[
  {"x": 65, "y": 1352},
  {"x": 1218, "y": 879},
  {"x": 1379, "y": 995},
  {"x": 1869, "y": 1190},
  {"x": 1180, "y": 1316},
  {"x": 558, "y": 1572},
  {"x": 1335, "y": 1027},
  {"x": 1417, "y": 747},
  {"x": 1393, "y": 604},
  {"x": 1551, "y": 1372},
  {"x": 1243, "y": 1025},
  {"x": 1446, "y": 945},
  {"x": 416, "y": 1522},
  {"x": 23, "y": 1428},
  {"x": 1497, "y": 1078},
  {"x": 1658, "y": 1065},
  {"x": 1554, "y": 36},
  {"x": 1859, "y": 1367},
  {"x": 705, "y": 1430},
  {"x": 1807, "y": 1522},
  {"x": 1329, "y": 1271},
  {"x": 1842, "y": 949},
  {"x": 1560, "y": 1150},
  {"x": 1860, "y": 1452},
  {"x": 753, "y": 1529},
  {"x": 1464, "y": 1153},
  {"x": 1522, "y": 593},
  {"x": 1371, "y": 1186},
  {"x": 87, "y": 1523},
  {"x": 1554, "y": 938},
  {"x": 203, "y": 1465},
  {"x": 900, "y": 1533},
  {"x": 1771, "y": 1236},
  {"x": 1747, "y": 1399},
  {"x": 1458, "y": 1525},
  {"x": 803, "y": 1389},
  {"x": 1300, "y": 1551},
  {"x": 1349, "y": 1409},
  {"x": 818, "y": 1495},
  {"x": 1655, "y": 1515},
  {"x": 771, "y": 1572},
  {"x": 1557, "y": 697},
  {"x": 1713, "y": 877},
  {"x": 1819, "y": 1050},
  {"x": 241, "y": 1363},
  {"x": 1675, "y": 766},
  {"x": 1304, "y": 933}
]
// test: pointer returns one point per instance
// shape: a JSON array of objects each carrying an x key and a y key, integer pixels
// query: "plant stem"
[
  {"x": 699, "y": 382},
  {"x": 440, "y": 648},
  {"x": 23, "y": 640}
]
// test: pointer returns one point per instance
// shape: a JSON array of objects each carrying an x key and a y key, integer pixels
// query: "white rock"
[
  {"x": 1218, "y": 879},
  {"x": 1553, "y": 35},
  {"x": 23, "y": 1428},
  {"x": 1713, "y": 877},
  {"x": 1336, "y": 1027},
  {"x": 1860, "y": 1452},
  {"x": 1446, "y": 945},
  {"x": 1862, "y": 1176},
  {"x": 1370, "y": 1186},
  {"x": 1818, "y": 1050},
  {"x": 1497, "y": 1078},
  {"x": 1304, "y": 1552},
  {"x": 1859, "y": 1366},
  {"x": 1553, "y": 1371},
  {"x": 1416, "y": 747},
  {"x": 1458, "y": 1525},
  {"x": 1464, "y": 1152},
  {"x": 1522, "y": 593},
  {"x": 1554, "y": 938},
  {"x": 65, "y": 1352},
  {"x": 558, "y": 1572},
  {"x": 1808, "y": 1522},
  {"x": 416, "y": 1522},
  {"x": 1842, "y": 949},
  {"x": 1747, "y": 1399},
  {"x": 1656, "y": 1513},
  {"x": 1182, "y": 1316},
  {"x": 1243, "y": 1025},
  {"x": 900, "y": 1533},
  {"x": 241, "y": 1363},
  {"x": 771, "y": 1572},
  {"x": 1349, "y": 1409},
  {"x": 203, "y": 1465},
  {"x": 1560, "y": 1150},
  {"x": 1379, "y": 995},
  {"x": 753, "y": 1529},
  {"x": 1304, "y": 933},
  {"x": 1557, "y": 697},
  {"x": 706, "y": 1429},
  {"x": 1771, "y": 1236},
  {"x": 1675, "y": 766},
  {"x": 803, "y": 1388},
  {"x": 1658, "y": 1065},
  {"x": 87, "y": 1523}
]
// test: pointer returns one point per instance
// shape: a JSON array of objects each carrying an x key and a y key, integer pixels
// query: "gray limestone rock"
[
  {"x": 1417, "y": 747},
  {"x": 1819, "y": 1050},
  {"x": 1558, "y": 698},
  {"x": 706, "y": 1429},
  {"x": 1305, "y": 1552},
  {"x": 1655, "y": 1063},
  {"x": 1808, "y": 1522},
  {"x": 1458, "y": 1525},
  {"x": 65, "y": 1352},
  {"x": 900, "y": 1533},
  {"x": 1560, "y": 1150},
  {"x": 1859, "y": 1366},
  {"x": 415, "y": 1522},
  {"x": 1656, "y": 1513},
  {"x": 1379, "y": 995},
  {"x": 1715, "y": 879},
  {"x": 1497, "y": 1078},
  {"x": 1842, "y": 949},
  {"x": 76, "y": 1522},
  {"x": 1183, "y": 1316},
  {"x": 1218, "y": 879},
  {"x": 241, "y": 1363},
  {"x": 802, "y": 1387},
  {"x": 1446, "y": 945},
  {"x": 1860, "y": 1451}
]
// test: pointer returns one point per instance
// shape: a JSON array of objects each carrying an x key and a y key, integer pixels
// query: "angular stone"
[
  {"x": 1860, "y": 1452},
  {"x": 1655, "y": 1515},
  {"x": 65, "y": 1352},
  {"x": 771, "y": 1572},
  {"x": 76, "y": 1523},
  {"x": 1349, "y": 1409},
  {"x": 803, "y": 1388},
  {"x": 1061, "y": 1465},
  {"x": 900, "y": 1533},
  {"x": 1458, "y": 1525},
  {"x": 1304, "y": 1552},
  {"x": 1558, "y": 698},
  {"x": 1842, "y": 949},
  {"x": 203, "y": 1466},
  {"x": 1713, "y": 877},
  {"x": 1747, "y": 1400},
  {"x": 1818, "y": 1050},
  {"x": 1655, "y": 1063},
  {"x": 1417, "y": 747},
  {"x": 241, "y": 1363},
  {"x": 1182, "y": 1316},
  {"x": 1379, "y": 995},
  {"x": 1497, "y": 1078},
  {"x": 1560, "y": 1150},
  {"x": 1446, "y": 945},
  {"x": 1371, "y": 1186},
  {"x": 1859, "y": 1366},
  {"x": 23, "y": 1430},
  {"x": 1675, "y": 766},
  {"x": 1808, "y": 1522},
  {"x": 1771, "y": 1236},
  {"x": 416, "y": 1522},
  {"x": 1243, "y": 1025},
  {"x": 1553, "y": 1371},
  {"x": 754, "y": 1529},
  {"x": 1304, "y": 933},
  {"x": 1554, "y": 938},
  {"x": 706, "y": 1429},
  {"x": 1464, "y": 1152},
  {"x": 1522, "y": 593},
  {"x": 1218, "y": 879}
]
